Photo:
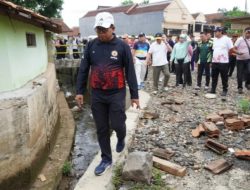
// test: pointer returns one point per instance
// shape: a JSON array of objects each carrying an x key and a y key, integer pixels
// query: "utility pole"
[{"x": 246, "y": 6}]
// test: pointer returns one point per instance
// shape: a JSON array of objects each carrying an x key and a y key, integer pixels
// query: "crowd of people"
[
  {"x": 70, "y": 47},
  {"x": 213, "y": 57}
]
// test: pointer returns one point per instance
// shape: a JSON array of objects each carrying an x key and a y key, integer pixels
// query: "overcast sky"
[{"x": 74, "y": 9}]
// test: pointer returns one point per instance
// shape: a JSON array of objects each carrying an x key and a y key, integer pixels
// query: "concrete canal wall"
[{"x": 28, "y": 118}]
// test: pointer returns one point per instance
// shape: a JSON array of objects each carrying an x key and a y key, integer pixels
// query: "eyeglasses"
[{"x": 101, "y": 30}]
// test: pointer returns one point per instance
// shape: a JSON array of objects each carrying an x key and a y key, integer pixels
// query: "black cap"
[
  {"x": 141, "y": 34},
  {"x": 158, "y": 35},
  {"x": 218, "y": 29}
]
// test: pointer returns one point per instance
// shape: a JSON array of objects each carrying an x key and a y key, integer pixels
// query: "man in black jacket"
[{"x": 107, "y": 56}]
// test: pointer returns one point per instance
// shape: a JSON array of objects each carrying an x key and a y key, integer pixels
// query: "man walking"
[
  {"x": 221, "y": 47},
  {"x": 139, "y": 52},
  {"x": 107, "y": 56},
  {"x": 158, "y": 51},
  {"x": 204, "y": 52},
  {"x": 243, "y": 60}
]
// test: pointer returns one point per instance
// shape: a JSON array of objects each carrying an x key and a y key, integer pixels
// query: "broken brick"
[
  {"x": 148, "y": 115},
  {"x": 211, "y": 129},
  {"x": 246, "y": 122},
  {"x": 179, "y": 101},
  {"x": 216, "y": 147},
  {"x": 214, "y": 118},
  {"x": 169, "y": 167},
  {"x": 234, "y": 124},
  {"x": 218, "y": 166},
  {"x": 243, "y": 154},
  {"x": 198, "y": 131},
  {"x": 163, "y": 153},
  {"x": 227, "y": 113}
]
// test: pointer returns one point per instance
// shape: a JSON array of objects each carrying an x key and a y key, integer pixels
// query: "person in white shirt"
[
  {"x": 158, "y": 51},
  {"x": 243, "y": 60},
  {"x": 221, "y": 47}
]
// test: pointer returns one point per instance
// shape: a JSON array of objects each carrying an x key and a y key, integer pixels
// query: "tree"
[
  {"x": 48, "y": 8},
  {"x": 235, "y": 12},
  {"x": 127, "y": 2}
]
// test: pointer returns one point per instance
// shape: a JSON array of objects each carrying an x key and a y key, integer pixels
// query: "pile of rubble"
[{"x": 232, "y": 122}]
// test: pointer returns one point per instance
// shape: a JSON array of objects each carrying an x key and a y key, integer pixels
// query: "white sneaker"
[
  {"x": 206, "y": 87},
  {"x": 165, "y": 89},
  {"x": 155, "y": 92},
  {"x": 197, "y": 88}
]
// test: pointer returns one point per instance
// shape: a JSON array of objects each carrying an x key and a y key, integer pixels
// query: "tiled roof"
[
  {"x": 214, "y": 17},
  {"x": 195, "y": 15},
  {"x": 28, "y": 16},
  {"x": 60, "y": 21},
  {"x": 132, "y": 9}
]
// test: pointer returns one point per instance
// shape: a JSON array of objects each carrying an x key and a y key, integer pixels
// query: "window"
[
  {"x": 31, "y": 39},
  {"x": 197, "y": 27}
]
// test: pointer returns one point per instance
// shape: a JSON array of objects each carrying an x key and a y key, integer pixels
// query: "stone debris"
[
  {"x": 169, "y": 167},
  {"x": 246, "y": 122},
  {"x": 163, "y": 153},
  {"x": 216, "y": 147},
  {"x": 175, "y": 108},
  {"x": 210, "y": 96},
  {"x": 227, "y": 113},
  {"x": 243, "y": 154},
  {"x": 42, "y": 177},
  {"x": 198, "y": 131},
  {"x": 138, "y": 167},
  {"x": 149, "y": 115},
  {"x": 218, "y": 166},
  {"x": 211, "y": 129},
  {"x": 234, "y": 124},
  {"x": 214, "y": 117}
]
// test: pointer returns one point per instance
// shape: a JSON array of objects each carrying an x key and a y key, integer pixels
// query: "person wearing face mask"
[
  {"x": 180, "y": 56},
  {"x": 110, "y": 60}
]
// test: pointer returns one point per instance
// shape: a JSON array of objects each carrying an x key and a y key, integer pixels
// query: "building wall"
[
  {"x": 176, "y": 16},
  {"x": 149, "y": 23},
  {"x": 28, "y": 118},
  {"x": 19, "y": 63}
]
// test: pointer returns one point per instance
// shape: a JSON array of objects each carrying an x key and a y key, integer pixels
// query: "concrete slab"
[{"x": 91, "y": 182}]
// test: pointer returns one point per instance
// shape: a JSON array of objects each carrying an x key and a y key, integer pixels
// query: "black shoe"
[
  {"x": 212, "y": 91},
  {"x": 224, "y": 93},
  {"x": 120, "y": 145},
  {"x": 240, "y": 91},
  {"x": 248, "y": 87}
]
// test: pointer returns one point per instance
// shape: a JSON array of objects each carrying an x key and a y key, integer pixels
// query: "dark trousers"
[
  {"x": 243, "y": 73},
  {"x": 201, "y": 68},
  {"x": 189, "y": 76},
  {"x": 231, "y": 66},
  {"x": 222, "y": 70},
  {"x": 183, "y": 69},
  {"x": 108, "y": 108},
  {"x": 75, "y": 54}
]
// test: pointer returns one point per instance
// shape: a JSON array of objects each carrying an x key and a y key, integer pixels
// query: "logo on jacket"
[{"x": 114, "y": 55}]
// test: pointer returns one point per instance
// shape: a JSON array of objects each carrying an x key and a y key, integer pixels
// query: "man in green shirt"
[{"x": 204, "y": 55}]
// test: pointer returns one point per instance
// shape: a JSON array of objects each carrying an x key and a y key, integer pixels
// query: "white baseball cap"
[{"x": 104, "y": 19}]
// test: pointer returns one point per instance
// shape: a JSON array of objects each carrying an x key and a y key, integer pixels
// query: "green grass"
[
  {"x": 244, "y": 105},
  {"x": 117, "y": 177},
  {"x": 66, "y": 168}
]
